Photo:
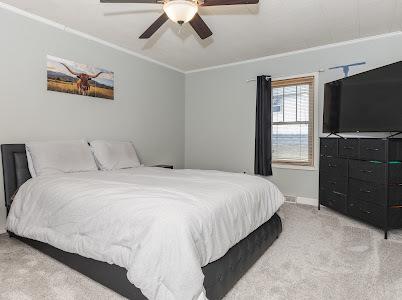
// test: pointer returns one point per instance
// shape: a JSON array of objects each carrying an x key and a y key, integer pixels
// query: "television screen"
[{"x": 366, "y": 102}]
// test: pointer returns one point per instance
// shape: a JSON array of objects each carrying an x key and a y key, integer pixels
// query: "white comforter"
[{"x": 161, "y": 225}]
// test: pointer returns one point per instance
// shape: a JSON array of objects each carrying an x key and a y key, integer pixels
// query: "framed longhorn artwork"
[{"x": 65, "y": 76}]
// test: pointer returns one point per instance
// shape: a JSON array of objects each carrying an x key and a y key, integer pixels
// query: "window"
[{"x": 293, "y": 121}]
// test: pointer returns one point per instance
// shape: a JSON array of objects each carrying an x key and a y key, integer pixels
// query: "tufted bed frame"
[{"x": 220, "y": 275}]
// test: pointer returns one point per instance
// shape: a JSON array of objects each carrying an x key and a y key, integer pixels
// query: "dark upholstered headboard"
[{"x": 15, "y": 170}]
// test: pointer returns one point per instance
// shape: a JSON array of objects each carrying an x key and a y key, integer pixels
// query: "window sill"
[{"x": 293, "y": 167}]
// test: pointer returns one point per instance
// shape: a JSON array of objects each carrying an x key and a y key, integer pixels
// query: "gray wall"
[
  {"x": 149, "y": 105},
  {"x": 207, "y": 116},
  {"x": 220, "y": 106}
]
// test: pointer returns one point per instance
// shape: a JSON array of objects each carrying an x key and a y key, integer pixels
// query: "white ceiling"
[{"x": 240, "y": 32}]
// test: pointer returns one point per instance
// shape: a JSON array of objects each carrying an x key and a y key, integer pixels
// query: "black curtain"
[{"x": 263, "y": 127}]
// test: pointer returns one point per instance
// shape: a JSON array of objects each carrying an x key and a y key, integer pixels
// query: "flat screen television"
[{"x": 365, "y": 102}]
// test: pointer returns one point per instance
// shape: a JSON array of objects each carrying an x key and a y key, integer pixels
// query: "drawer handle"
[
  {"x": 337, "y": 193},
  {"x": 360, "y": 209},
  {"x": 331, "y": 166},
  {"x": 366, "y": 171},
  {"x": 372, "y": 149},
  {"x": 365, "y": 191},
  {"x": 348, "y": 147},
  {"x": 332, "y": 182}
]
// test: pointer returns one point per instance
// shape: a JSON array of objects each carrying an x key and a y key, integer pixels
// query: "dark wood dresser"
[{"x": 362, "y": 178}]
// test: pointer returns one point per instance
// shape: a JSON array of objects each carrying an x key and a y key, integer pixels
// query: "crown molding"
[
  {"x": 349, "y": 42},
  {"x": 127, "y": 51},
  {"x": 62, "y": 27}
]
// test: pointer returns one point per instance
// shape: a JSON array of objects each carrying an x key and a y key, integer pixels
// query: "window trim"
[{"x": 292, "y": 164}]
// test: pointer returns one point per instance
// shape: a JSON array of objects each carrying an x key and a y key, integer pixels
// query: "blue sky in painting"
[{"x": 54, "y": 64}]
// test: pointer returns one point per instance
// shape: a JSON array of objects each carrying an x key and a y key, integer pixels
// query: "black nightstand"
[{"x": 164, "y": 166}]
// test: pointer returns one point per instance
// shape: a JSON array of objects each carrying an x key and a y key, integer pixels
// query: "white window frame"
[{"x": 315, "y": 124}]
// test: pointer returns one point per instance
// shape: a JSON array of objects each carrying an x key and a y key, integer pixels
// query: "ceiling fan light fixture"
[{"x": 180, "y": 11}]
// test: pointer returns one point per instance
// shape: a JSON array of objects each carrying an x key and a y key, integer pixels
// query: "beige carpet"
[{"x": 320, "y": 255}]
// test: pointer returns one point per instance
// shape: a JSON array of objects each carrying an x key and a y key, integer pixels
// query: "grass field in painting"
[{"x": 71, "y": 88}]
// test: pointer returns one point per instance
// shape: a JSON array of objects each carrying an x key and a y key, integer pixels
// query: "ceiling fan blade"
[
  {"x": 129, "y": 1},
  {"x": 154, "y": 27},
  {"x": 200, "y": 27},
  {"x": 227, "y": 2}
]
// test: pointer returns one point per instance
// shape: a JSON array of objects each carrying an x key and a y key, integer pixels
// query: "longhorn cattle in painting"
[{"x": 73, "y": 78}]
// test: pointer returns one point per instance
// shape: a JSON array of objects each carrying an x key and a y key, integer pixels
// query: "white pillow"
[
  {"x": 47, "y": 158},
  {"x": 30, "y": 163},
  {"x": 114, "y": 155}
]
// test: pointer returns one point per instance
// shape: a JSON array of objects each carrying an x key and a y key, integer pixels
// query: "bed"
[{"x": 219, "y": 275}]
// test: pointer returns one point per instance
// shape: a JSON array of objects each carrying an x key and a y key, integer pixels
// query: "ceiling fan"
[{"x": 182, "y": 11}]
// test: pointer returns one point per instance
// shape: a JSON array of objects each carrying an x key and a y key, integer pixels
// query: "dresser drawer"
[
  {"x": 395, "y": 194},
  {"x": 334, "y": 184},
  {"x": 333, "y": 167},
  {"x": 395, "y": 172},
  {"x": 333, "y": 200},
  {"x": 367, "y": 211},
  {"x": 372, "y": 149},
  {"x": 395, "y": 217},
  {"x": 368, "y": 171},
  {"x": 395, "y": 149},
  {"x": 329, "y": 147},
  {"x": 348, "y": 148},
  {"x": 367, "y": 191}
]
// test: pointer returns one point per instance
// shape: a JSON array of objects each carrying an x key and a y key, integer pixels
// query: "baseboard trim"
[
  {"x": 307, "y": 201},
  {"x": 302, "y": 200}
]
